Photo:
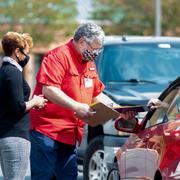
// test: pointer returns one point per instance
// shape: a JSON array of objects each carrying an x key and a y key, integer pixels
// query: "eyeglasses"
[
  {"x": 22, "y": 51},
  {"x": 89, "y": 44},
  {"x": 95, "y": 51}
]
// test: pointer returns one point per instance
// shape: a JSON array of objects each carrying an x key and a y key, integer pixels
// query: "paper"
[{"x": 102, "y": 114}]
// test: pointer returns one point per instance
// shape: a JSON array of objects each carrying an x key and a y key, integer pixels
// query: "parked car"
[
  {"x": 153, "y": 149},
  {"x": 133, "y": 69}
]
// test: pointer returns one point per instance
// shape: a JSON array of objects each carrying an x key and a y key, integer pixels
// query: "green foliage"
[
  {"x": 137, "y": 17},
  {"x": 45, "y": 20}
]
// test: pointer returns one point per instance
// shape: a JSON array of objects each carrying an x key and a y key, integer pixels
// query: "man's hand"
[{"x": 83, "y": 111}]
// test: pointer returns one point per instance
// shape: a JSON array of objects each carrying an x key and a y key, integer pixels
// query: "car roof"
[{"x": 110, "y": 40}]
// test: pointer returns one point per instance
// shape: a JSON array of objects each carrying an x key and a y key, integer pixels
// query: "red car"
[{"x": 153, "y": 149}]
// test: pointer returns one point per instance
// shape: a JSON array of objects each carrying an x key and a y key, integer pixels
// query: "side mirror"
[{"x": 126, "y": 125}]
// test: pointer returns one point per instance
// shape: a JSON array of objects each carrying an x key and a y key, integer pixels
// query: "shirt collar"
[
  {"x": 75, "y": 52},
  {"x": 12, "y": 61}
]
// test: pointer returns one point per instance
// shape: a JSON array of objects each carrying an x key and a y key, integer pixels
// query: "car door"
[
  {"x": 170, "y": 163},
  {"x": 161, "y": 135},
  {"x": 153, "y": 153}
]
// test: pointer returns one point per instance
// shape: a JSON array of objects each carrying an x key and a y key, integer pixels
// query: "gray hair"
[{"x": 90, "y": 32}]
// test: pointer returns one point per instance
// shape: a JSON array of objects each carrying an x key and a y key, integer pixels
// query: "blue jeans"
[
  {"x": 14, "y": 157},
  {"x": 49, "y": 157}
]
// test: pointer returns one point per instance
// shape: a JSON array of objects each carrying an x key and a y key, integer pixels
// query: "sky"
[{"x": 84, "y": 7}]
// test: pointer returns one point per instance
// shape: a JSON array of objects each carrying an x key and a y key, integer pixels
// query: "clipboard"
[{"x": 102, "y": 114}]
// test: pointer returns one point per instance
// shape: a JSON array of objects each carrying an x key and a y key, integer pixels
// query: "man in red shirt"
[{"x": 69, "y": 80}]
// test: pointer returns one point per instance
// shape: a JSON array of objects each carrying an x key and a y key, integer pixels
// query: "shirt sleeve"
[
  {"x": 17, "y": 105},
  {"x": 98, "y": 87},
  {"x": 52, "y": 70}
]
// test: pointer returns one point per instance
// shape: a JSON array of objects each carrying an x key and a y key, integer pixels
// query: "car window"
[
  {"x": 148, "y": 62},
  {"x": 162, "y": 114},
  {"x": 174, "y": 110}
]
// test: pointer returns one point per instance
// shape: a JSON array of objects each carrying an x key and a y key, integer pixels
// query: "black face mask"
[
  {"x": 25, "y": 61},
  {"x": 89, "y": 56}
]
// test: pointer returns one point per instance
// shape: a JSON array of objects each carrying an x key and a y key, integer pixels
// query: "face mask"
[
  {"x": 89, "y": 56},
  {"x": 25, "y": 61}
]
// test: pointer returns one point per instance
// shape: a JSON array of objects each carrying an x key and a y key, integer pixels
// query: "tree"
[
  {"x": 45, "y": 20},
  {"x": 170, "y": 17},
  {"x": 136, "y": 17}
]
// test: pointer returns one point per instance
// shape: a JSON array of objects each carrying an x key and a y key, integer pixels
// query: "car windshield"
[{"x": 140, "y": 62}]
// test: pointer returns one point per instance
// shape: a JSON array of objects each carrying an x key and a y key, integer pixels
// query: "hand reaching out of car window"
[{"x": 156, "y": 103}]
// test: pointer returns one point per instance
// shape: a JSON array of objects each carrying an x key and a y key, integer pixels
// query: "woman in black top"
[{"x": 15, "y": 106}]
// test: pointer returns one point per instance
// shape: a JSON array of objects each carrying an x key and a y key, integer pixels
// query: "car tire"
[
  {"x": 113, "y": 175},
  {"x": 94, "y": 167},
  {"x": 113, "y": 172}
]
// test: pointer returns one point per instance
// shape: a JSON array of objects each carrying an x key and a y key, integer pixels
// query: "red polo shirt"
[{"x": 63, "y": 68}]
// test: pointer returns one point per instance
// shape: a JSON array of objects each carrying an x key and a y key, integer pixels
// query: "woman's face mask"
[{"x": 24, "y": 61}]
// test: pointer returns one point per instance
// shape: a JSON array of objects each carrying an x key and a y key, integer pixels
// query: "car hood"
[{"x": 133, "y": 93}]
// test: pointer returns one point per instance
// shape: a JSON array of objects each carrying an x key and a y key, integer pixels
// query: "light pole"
[{"x": 157, "y": 17}]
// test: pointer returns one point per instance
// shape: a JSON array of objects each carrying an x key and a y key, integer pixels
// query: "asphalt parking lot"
[{"x": 80, "y": 175}]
